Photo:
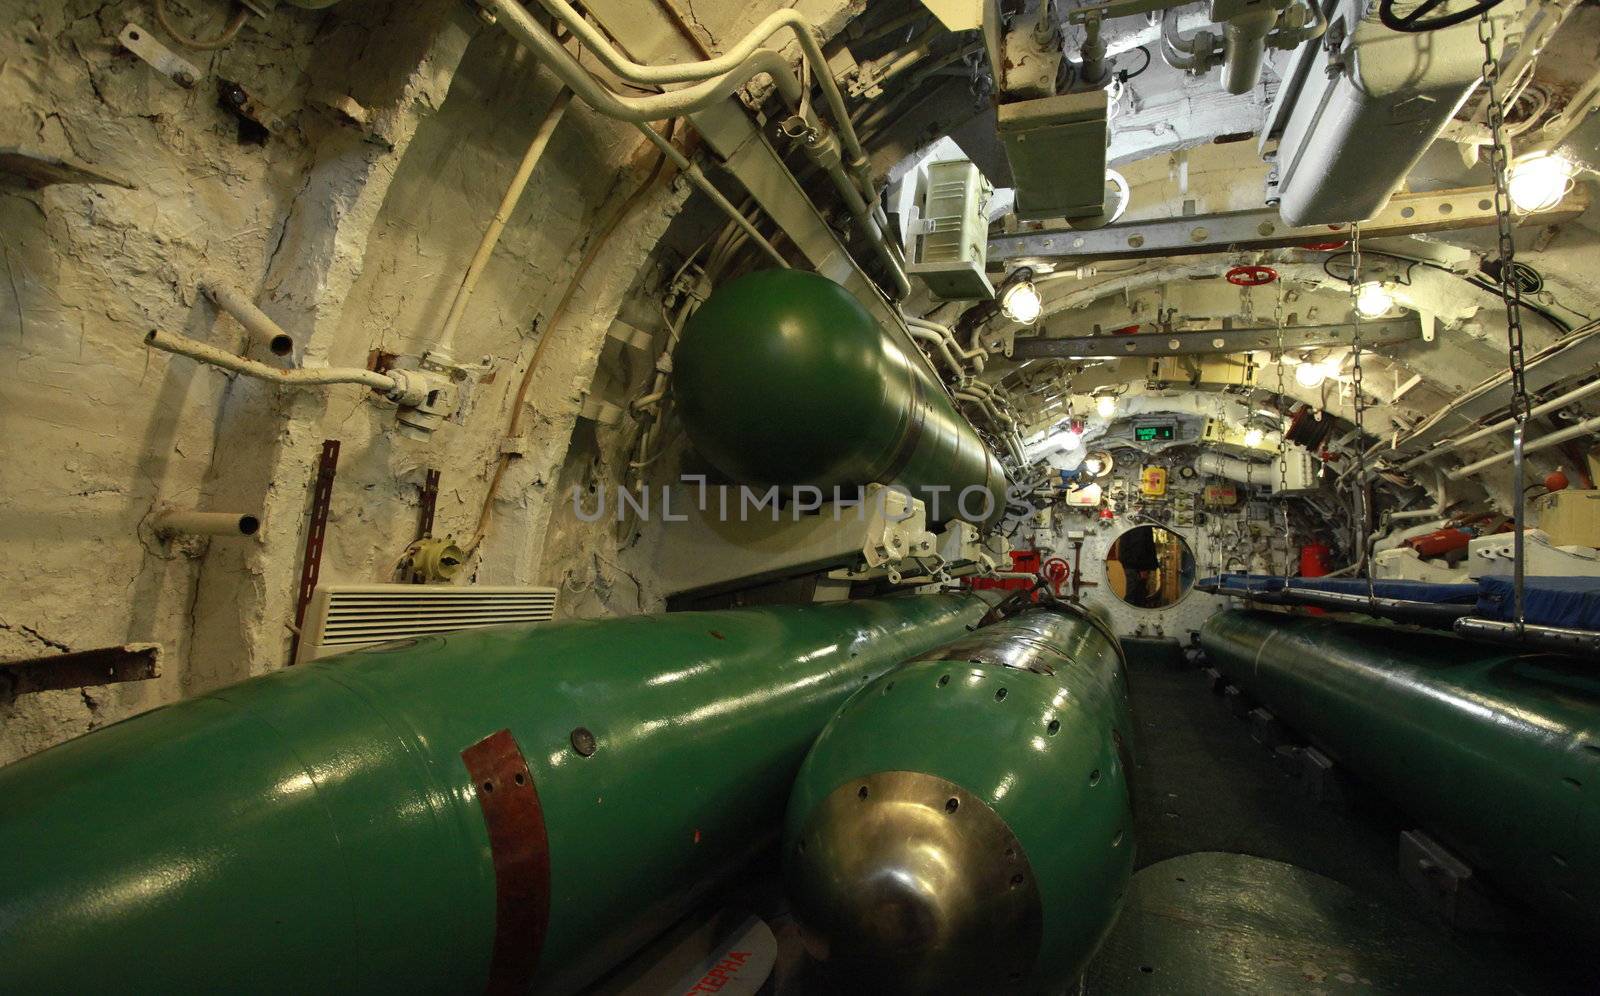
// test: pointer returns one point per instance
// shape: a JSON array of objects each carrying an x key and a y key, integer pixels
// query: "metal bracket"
[
  {"x": 80, "y": 669},
  {"x": 630, "y": 335},
  {"x": 158, "y": 56},
  {"x": 429, "y": 502},
  {"x": 599, "y": 410},
  {"x": 1118, "y": 8},
  {"x": 316, "y": 531}
]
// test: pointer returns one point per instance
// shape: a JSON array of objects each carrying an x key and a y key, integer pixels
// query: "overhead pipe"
[
  {"x": 998, "y": 419},
  {"x": 1244, "y": 44},
  {"x": 943, "y": 348},
  {"x": 640, "y": 110},
  {"x": 804, "y": 33},
  {"x": 881, "y": 71},
  {"x": 1197, "y": 53},
  {"x": 1092, "y": 56},
  {"x": 838, "y": 152},
  {"x": 1448, "y": 445},
  {"x": 948, "y": 344},
  {"x": 648, "y": 107},
  {"x": 1571, "y": 432}
]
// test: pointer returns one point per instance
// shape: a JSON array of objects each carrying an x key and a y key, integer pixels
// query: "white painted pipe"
[
  {"x": 173, "y": 522},
  {"x": 929, "y": 336},
  {"x": 182, "y": 345},
  {"x": 255, "y": 321},
  {"x": 1196, "y": 53},
  {"x": 1584, "y": 428},
  {"x": 1244, "y": 43},
  {"x": 1235, "y": 469},
  {"x": 445, "y": 345},
  {"x": 685, "y": 72},
  {"x": 651, "y": 107},
  {"x": 516, "y": 19},
  {"x": 859, "y": 194},
  {"x": 1447, "y": 445},
  {"x": 1432, "y": 511}
]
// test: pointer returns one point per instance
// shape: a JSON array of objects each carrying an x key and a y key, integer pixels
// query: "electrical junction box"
[
  {"x": 1570, "y": 518},
  {"x": 1204, "y": 371},
  {"x": 1057, "y": 150},
  {"x": 1351, "y": 124},
  {"x": 1087, "y": 496},
  {"x": 1299, "y": 472},
  {"x": 950, "y": 244},
  {"x": 1153, "y": 482},
  {"x": 1220, "y": 495}
]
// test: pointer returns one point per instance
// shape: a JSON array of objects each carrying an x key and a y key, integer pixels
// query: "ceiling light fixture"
[
  {"x": 1373, "y": 299},
  {"x": 1106, "y": 405},
  {"x": 1539, "y": 181},
  {"x": 1310, "y": 374},
  {"x": 1021, "y": 302}
]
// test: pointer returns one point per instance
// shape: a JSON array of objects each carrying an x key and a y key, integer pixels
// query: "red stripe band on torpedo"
[{"x": 521, "y": 852}]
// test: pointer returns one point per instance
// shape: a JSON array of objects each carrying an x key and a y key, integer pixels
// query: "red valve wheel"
[
  {"x": 1056, "y": 572},
  {"x": 1251, "y": 276}
]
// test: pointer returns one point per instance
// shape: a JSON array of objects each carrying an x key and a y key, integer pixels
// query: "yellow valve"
[
  {"x": 1153, "y": 482},
  {"x": 432, "y": 561}
]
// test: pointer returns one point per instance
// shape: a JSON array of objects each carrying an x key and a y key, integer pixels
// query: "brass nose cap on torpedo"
[{"x": 906, "y": 882}]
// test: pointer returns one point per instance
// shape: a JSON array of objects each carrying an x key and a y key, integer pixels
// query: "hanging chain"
[
  {"x": 1499, "y": 161},
  {"x": 1358, "y": 504},
  {"x": 1511, "y": 293},
  {"x": 1283, "y": 441}
]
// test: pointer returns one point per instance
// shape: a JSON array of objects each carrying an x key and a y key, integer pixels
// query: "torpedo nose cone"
[{"x": 906, "y": 882}]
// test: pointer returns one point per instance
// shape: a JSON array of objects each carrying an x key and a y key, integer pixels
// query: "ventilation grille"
[{"x": 345, "y": 617}]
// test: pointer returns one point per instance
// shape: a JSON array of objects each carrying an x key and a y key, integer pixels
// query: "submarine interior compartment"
[{"x": 895, "y": 496}]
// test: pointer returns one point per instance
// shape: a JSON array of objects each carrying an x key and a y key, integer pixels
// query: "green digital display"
[{"x": 1152, "y": 433}]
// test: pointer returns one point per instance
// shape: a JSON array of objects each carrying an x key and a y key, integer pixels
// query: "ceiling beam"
[
  {"x": 1218, "y": 341},
  {"x": 1407, "y": 214}
]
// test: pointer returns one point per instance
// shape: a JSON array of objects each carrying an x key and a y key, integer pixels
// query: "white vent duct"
[
  {"x": 1299, "y": 474},
  {"x": 348, "y": 617}
]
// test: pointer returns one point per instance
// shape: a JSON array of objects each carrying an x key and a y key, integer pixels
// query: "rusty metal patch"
[{"x": 520, "y": 849}]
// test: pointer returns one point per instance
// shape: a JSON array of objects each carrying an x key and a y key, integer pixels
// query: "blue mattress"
[{"x": 1572, "y": 603}]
